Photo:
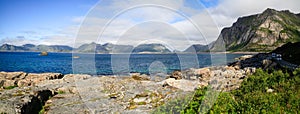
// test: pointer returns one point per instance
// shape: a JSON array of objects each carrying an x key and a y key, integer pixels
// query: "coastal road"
[{"x": 286, "y": 64}]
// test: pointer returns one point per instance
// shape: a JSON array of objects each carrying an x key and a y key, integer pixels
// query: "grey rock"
[
  {"x": 259, "y": 32},
  {"x": 176, "y": 75}
]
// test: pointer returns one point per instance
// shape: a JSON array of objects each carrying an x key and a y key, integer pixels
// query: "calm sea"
[{"x": 108, "y": 64}]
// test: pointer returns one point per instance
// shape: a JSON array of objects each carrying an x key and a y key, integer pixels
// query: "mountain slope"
[
  {"x": 260, "y": 32},
  {"x": 53, "y": 48},
  {"x": 91, "y": 48},
  {"x": 7, "y": 47},
  {"x": 151, "y": 48},
  {"x": 105, "y": 48},
  {"x": 31, "y": 47},
  {"x": 197, "y": 48},
  {"x": 118, "y": 48}
]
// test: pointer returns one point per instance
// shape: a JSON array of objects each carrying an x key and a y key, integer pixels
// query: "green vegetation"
[
  {"x": 273, "y": 91},
  {"x": 44, "y": 108},
  {"x": 258, "y": 48},
  {"x": 291, "y": 27},
  {"x": 252, "y": 47},
  {"x": 61, "y": 92},
  {"x": 174, "y": 106},
  {"x": 9, "y": 87},
  {"x": 236, "y": 47},
  {"x": 42, "y": 111},
  {"x": 266, "y": 30}
]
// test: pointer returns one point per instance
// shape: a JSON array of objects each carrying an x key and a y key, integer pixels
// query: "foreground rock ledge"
[{"x": 76, "y": 93}]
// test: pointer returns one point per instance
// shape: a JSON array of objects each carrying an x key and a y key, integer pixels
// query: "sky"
[{"x": 174, "y": 23}]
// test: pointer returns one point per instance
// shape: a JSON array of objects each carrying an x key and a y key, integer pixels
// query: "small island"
[{"x": 44, "y": 53}]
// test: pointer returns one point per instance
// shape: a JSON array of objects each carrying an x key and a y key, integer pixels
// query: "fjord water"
[{"x": 102, "y": 64}]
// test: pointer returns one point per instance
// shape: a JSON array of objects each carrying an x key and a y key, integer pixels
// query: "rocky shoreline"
[{"x": 77, "y": 93}]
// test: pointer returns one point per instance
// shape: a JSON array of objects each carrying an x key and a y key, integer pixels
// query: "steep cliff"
[{"x": 260, "y": 32}]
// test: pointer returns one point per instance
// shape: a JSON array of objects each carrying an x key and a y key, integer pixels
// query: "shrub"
[
  {"x": 10, "y": 87},
  {"x": 252, "y": 96}
]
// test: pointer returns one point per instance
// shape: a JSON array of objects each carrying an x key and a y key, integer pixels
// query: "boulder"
[
  {"x": 74, "y": 77},
  {"x": 244, "y": 57},
  {"x": 8, "y": 83},
  {"x": 137, "y": 76},
  {"x": 22, "y": 83},
  {"x": 189, "y": 74},
  {"x": 267, "y": 64},
  {"x": 229, "y": 68},
  {"x": 203, "y": 72},
  {"x": 44, "y": 76},
  {"x": 39, "y": 78},
  {"x": 185, "y": 85},
  {"x": 12, "y": 75},
  {"x": 203, "y": 84},
  {"x": 249, "y": 70},
  {"x": 176, "y": 75}
]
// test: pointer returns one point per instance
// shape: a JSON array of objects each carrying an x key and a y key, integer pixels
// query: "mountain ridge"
[
  {"x": 260, "y": 32},
  {"x": 197, "y": 48},
  {"x": 107, "y": 48}
]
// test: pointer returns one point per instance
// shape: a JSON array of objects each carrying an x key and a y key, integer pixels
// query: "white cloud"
[
  {"x": 209, "y": 21},
  {"x": 156, "y": 22},
  {"x": 227, "y": 11},
  {"x": 18, "y": 41},
  {"x": 135, "y": 13}
]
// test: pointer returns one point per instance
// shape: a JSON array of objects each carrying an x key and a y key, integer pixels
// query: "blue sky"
[
  {"x": 57, "y": 21},
  {"x": 19, "y": 17},
  {"x": 32, "y": 14}
]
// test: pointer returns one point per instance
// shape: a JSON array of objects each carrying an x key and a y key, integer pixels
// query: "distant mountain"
[
  {"x": 260, "y": 32},
  {"x": 54, "y": 48},
  {"x": 105, "y": 48},
  {"x": 114, "y": 48},
  {"x": 197, "y": 48},
  {"x": 118, "y": 48},
  {"x": 31, "y": 47},
  {"x": 91, "y": 48},
  {"x": 7, "y": 47},
  {"x": 151, "y": 48}
]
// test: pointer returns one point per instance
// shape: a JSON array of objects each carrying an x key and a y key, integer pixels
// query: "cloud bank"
[{"x": 176, "y": 23}]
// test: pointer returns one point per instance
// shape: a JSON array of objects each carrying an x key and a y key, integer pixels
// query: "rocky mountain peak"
[
  {"x": 108, "y": 44},
  {"x": 269, "y": 11},
  {"x": 151, "y": 48},
  {"x": 29, "y": 45},
  {"x": 260, "y": 32}
]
